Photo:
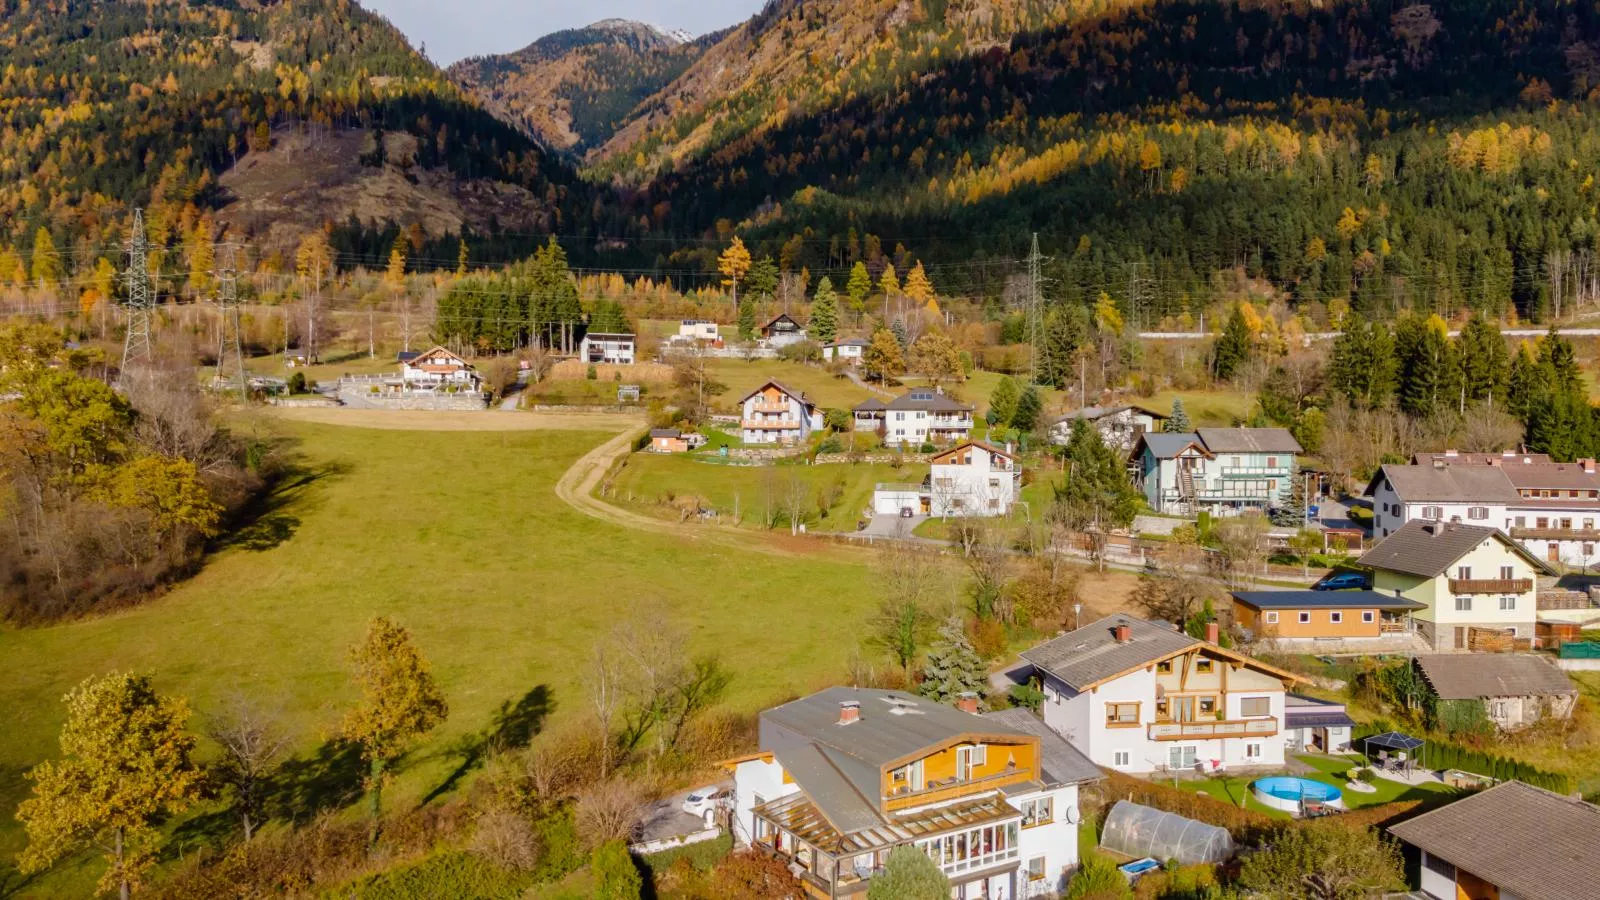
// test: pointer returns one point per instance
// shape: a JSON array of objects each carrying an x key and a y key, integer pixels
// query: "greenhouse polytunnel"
[{"x": 1140, "y": 831}]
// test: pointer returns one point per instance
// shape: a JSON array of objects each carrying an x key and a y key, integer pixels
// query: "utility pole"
[
  {"x": 1036, "y": 312},
  {"x": 136, "y": 346},
  {"x": 230, "y": 350}
]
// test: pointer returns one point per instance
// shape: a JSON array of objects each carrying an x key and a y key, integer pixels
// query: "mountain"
[
  {"x": 572, "y": 89},
  {"x": 188, "y": 110},
  {"x": 1365, "y": 154}
]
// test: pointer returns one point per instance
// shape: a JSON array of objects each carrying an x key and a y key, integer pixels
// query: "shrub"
[
  {"x": 830, "y": 444},
  {"x": 748, "y": 875},
  {"x": 592, "y": 374},
  {"x": 607, "y": 811},
  {"x": 1098, "y": 879},
  {"x": 297, "y": 383},
  {"x": 507, "y": 840},
  {"x": 988, "y": 638},
  {"x": 927, "y": 447},
  {"x": 909, "y": 875},
  {"x": 1027, "y": 696},
  {"x": 560, "y": 852},
  {"x": 618, "y": 877}
]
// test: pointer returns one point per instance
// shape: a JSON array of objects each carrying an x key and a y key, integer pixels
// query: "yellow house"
[{"x": 1474, "y": 581}]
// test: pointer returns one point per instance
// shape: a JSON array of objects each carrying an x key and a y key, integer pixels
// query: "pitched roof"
[
  {"x": 1427, "y": 548},
  {"x": 1474, "y": 676},
  {"x": 1168, "y": 444},
  {"x": 1091, "y": 654},
  {"x": 1554, "y": 476},
  {"x": 850, "y": 342},
  {"x": 1459, "y": 458},
  {"x": 1096, "y": 412},
  {"x": 773, "y": 382},
  {"x": 665, "y": 433},
  {"x": 1249, "y": 440},
  {"x": 1324, "y": 600},
  {"x": 1461, "y": 484},
  {"x": 979, "y": 444},
  {"x": 871, "y": 404},
  {"x": 1062, "y": 763},
  {"x": 1527, "y": 841},
  {"x": 608, "y": 334},
  {"x": 928, "y": 399}
]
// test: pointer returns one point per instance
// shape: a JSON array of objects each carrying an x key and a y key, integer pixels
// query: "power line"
[
  {"x": 136, "y": 345},
  {"x": 230, "y": 351}
]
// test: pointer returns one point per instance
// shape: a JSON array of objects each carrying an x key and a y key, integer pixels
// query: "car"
[
  {"x": 703, "y": 803},
  {"x": 1342, "y": 581},
  {"x": 906, "y": 512}
]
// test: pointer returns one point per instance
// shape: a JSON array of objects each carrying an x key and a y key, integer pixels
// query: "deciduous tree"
[
  {"x": 733, "y": 263},
  {"x": 1324, "y": 862},
  {"x": 883, "y": 357}
]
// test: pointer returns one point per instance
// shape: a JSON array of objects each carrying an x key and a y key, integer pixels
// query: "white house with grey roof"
[
  {"x": 1143, "y": 697},
  {"x": 1224, "y": 471},
  {"x": 1119, "y": 426},
  {"x": 923, "y": 415},
  {"x": 846, "y": 775}
]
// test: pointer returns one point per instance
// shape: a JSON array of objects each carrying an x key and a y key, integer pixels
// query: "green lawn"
[
  {"x": 460, "y": 537},
  {"x": 742, "y": 377},
  {"x": 1206, "y": 409},
  {"x": 1329, "y": 770}
]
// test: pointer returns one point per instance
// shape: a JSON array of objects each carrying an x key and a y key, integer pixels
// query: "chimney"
[
  {"x": 1211, "y": 632},
  {"x": 1587, "y": 465},
  {"x": 1123, "y": 633},
  {"x": 1438, "y": 462},
  {"x": 967, "y": 702},
  {"x": 849, "y": 711}
]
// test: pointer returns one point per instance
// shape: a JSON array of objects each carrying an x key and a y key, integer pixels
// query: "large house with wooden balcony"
[
  {"x": 435, "y": 369},
  {"x": 1479, "y": 587},
  {"x": 846, "y": 775},
  {"x": 1551, "y": 508},
  {"x": 922, "y": 416},
  {"x": 1220, "y": 470},
  {"x": 1325, "y": 617},
  {"x": 1142, "y": 697},
  {"x": 614, "y": 349},
  {"x": 774, "y": 414}
]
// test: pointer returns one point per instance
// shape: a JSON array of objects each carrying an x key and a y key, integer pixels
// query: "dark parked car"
[{"x": 1342, "y": 581}]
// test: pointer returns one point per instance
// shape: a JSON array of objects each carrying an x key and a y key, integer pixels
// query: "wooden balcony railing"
[
  {"x": 1222, "y": 728},
  {"x": 1387, "y": 627},
  {"x": 771, "y": 424},
  {"x": 952, "y": 790},
  {"x": 1491, "y": 585},
  {"x": 1556, "y": 534}
]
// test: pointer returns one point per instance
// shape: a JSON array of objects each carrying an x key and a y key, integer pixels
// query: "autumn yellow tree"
[
  {"x": 46, "y": 269},
  {"x": 125, "y": 764},
  {"x": 883, "y": 355},
  {"x": 919, "y": 288},
  {"x": 400, "y": 702},
  {"x": 889, "y": 282},
  {"x": 313, "y": 263},
  {"x": 733, "y": 264},
  {"x": 935, "y": 357}
]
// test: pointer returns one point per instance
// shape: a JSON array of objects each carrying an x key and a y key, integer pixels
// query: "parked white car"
[{"x": 703, "y": 803}]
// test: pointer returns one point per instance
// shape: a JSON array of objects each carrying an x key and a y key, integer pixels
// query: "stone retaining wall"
[
  {"x": 871, "y": 458},
  {"x": 462, "y": 402}
]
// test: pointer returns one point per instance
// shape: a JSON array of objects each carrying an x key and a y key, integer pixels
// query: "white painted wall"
[
  {"x": 752, "y": 779},
  {"x": 980, "y": 488},
  {"x": 1056, "y": 842}
]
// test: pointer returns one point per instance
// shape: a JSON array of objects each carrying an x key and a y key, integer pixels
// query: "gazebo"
[{"x": 1405, "y": 744}]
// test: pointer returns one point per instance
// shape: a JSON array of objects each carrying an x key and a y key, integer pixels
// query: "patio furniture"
[{"x": 1403, "y": 744}]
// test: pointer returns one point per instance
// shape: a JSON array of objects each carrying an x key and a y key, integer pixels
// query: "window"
[
  {"x": 1368, "y": 617},
  {"x": 1336, "y": 618},
  {"x": 1508, "y": 603},
  {"x": 1463, "y": 604},
  {"x": 1252, "y": 751},
  {"x": 1588, "y": 549},
  {"x": 1122, "y": 715},
  {"x": 1438, "y": 866},
  {"x": 1208, "y": 705},
  {"x": 1037, "y": 812},
  {"x": 1463, "y": 573},
  {"x": 1522, "y": 521},
  {"x": 1542, "y": 522},
  {"x": 1305, "y": 618},
  {"x": 1272, "y": 618},
  {"x": 1255, "y": 706},
  {"x": 899, "y": 417},
  {"x": 1566, "y": 524},
  {"x": 1161, "y": 709},
  {"x": 1036, "y": 869},
  {"x": 1120, "y": 758},
  {"x": 1164, "y": 667},
  {"x": 1203, "y": 666},
  {"x": 1181, "y": 757},
  {"x": 1477, "y": 512},
  {"x": 1588, "y": 524},
  {"x": 1506, "y": 573}
]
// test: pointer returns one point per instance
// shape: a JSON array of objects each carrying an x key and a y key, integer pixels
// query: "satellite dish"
[{"x": 1071, "y": 815}]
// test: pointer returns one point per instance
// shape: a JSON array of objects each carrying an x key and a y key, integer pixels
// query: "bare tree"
[
  {"x": 989, "y": 563},
  {"x": 902, "y": 621},
  {"x": 1242, "y": 546},
  {"x": 607, "y": 811},
  {"x": 607, "y": 684},
  {"x": 1173, "y": 595},
  {"x": 1489, "y": 430},
  {"x": 795, "y": 497},
  {"x": 252, "y": 743}
]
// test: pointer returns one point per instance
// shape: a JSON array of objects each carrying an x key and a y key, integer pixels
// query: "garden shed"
[{"x": 1140, "y": 831}]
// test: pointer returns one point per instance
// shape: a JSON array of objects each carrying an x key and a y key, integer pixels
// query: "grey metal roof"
[
  {"x": 1249, "y": 440},
  {"x": 871, "y": 404},
  {"x": 1427, "y": 549},
  {"x": 1316, "y": 719},
  {"x": 665, "y": 433},
  {"x": 1474, "y": 676},
  {"x": 1092, "y": 654},
  {"x": 835, "y": 795},
  {"x": 1096, "y": 412},
  {"x": 1324, "y": 600},
  {"x": 1168, "y": 444},
  {"x": 1451, "y": 484},
  {"x": 1062, "y": 763},
  {"x": 928, "y": 399},
  {"x": 1529, "y": 842}
]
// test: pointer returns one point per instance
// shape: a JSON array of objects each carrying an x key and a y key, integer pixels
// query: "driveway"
[
  {"x": 665, "y": 823},
  {"x": 884, "y": 525}
]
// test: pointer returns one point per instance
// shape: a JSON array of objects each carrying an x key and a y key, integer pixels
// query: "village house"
[
  {"x": 1479, "y": 587},
  {"x": 783, "y": 331},
  {"x": 850, "y": 350},
  {"x": 1514, "y": 689},
  {"x": 600, "y": 347},
  {"x": 672, "y": 440},
  {"x": 698, "y": 330},
  {"x": 846, "y": 775},
  {"x": 1120, "y": 426},
  {"x": 1510, "y": 842},
  {"x": 1143, "y": 697},
  {"x": 1316, "y": 725},
  {"x": 1325, "y": 617},
  {"x": 1550, "y": 508},
  {"x": 774, "y": 414},
  {"x": 921, "y": 416},
  {"x": 438, "y": 368},
  {"x": 973, "y": 479},
  {"x": 1220, "y": 470}
]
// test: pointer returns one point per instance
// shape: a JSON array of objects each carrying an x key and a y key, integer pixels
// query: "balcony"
[
  {"x": 1556, "y": 534},
  {"x": 1222, "y": 728},
  {"x": 782, "y": 408},
  {"x": 1256, "y": 471},
  {"x": 1491, "y": 585},
  {"x": 771, "y": 425},
  {"x": 952, "y": 789}
]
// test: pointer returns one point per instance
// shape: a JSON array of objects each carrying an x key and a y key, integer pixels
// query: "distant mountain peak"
[{"x": 673, "y": 36}]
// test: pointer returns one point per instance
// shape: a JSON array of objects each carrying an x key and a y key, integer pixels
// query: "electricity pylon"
[
  {"x": 230, "y": 351},
  {"x": 1036, "y": 311},
  {"x": 140, "y": 300}
]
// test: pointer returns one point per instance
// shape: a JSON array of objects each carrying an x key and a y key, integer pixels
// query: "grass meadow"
[{"x": 460, "y": 537}]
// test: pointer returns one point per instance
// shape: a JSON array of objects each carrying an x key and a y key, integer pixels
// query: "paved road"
[{"x": 1330, "y": 335}]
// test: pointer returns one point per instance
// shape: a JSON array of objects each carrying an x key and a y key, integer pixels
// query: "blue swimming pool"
[
  {"x": 1139, "y": 867},
  {"x": 1286, "y": 792}
]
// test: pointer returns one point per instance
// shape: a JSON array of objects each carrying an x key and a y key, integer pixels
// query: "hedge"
[{"x": 1442, "y": 754}]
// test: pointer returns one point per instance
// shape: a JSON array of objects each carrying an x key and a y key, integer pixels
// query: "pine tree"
[
  {"x": 824, "y": 324},
  {"x": 762, "y": 279},
  {"x": 1524, "y": 383},
  {"x": 1557, "y": 356},
  {"x": 859, "y": 287},
  {"x": 1179, "y": 421},
  {"x": 1428, "y": 373},
  {"x": 1485, "y": 364},
  {"x": 1003, "y": 402},
  {"x": 733, "y": 264},
  {"x": 1029, "y": 408},
  {"x": 1362, "y": 365},
  {"x": 461, "y": 258},
  {"x": 918, "y": 287},
  {"x": 747, "y": 319},
  {"x": 1232, "y": 348},
  {"x": 953, "y": 667},
  {"x": 898, "y": 329},
  {"x": 1066, "y": 332}
]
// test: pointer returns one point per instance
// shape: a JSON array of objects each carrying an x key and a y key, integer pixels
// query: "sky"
[{"x": 453, "y": 29}]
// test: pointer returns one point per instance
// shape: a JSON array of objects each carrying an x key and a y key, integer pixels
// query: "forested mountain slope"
[
  {"x": 1376, "y": 153},
  {"x": 572, "y": 89},
  {"x": 104, "y": 105}
]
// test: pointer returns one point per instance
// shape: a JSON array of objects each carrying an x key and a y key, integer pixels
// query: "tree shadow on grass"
[
  {"x": 330, "y": 778},
  {"x": 12, "y": 882},
  {"x": 513, "y": 725},
  {"x": 265, "y": 522}
]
